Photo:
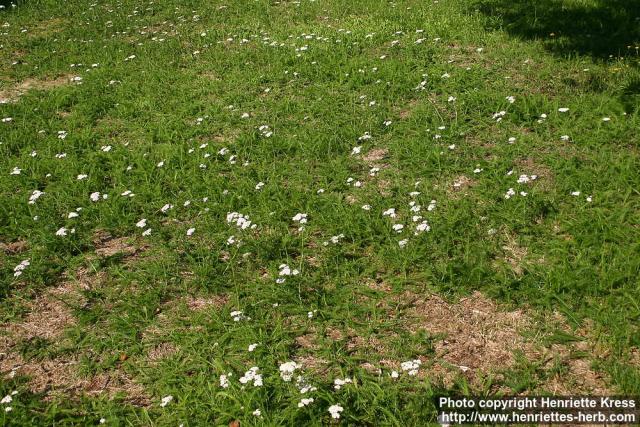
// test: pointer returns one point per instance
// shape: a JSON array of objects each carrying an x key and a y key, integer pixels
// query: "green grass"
[{"x": 310, "y": 71}]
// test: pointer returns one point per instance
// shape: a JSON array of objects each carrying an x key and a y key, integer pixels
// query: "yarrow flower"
[
  {"x": 338, "y": 383},
  {"x": 391, "y": 212},
  {"x": 287, "y": 369},
  {"x": 165, "y": 401},
  {"x": 241, "y": 221},
  {"x": 252, "y": 376},
  {"x": 335, "y": 411},
  {"x": 238, "y": 316},
  {"x": 18, "y": 269},
  {"x": 224, "y": 380},
  {"x": 35, "y": 196},
  {"x": 305, "y": 402},
  {"x": 285, "y": 270},
  {"x": 411, "y": 366}
]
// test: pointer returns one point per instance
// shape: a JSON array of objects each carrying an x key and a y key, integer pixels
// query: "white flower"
[
  {"x": 142, "y": 223},
  {"x": 394, "y": 374},
  {"x": 391, "y": 212},
  {"x": 237, "y": 316},
  {"x": 287, "y": 369},
  {"x": 61, "y": 232},
  {"x": 366, "y": 207},
  {"x": 563, "y": 109},
  {"x": 509, "y": 193},
  {"x": 335, "y": 411},
  {"x": 411, "y": 366},
  {"x": 305, "y": 402},
  {"x": 252, "y": 347},
  {"x": 35, "y": 196},
  {"x": 356, "y": 150},
  {"x": 241, "y": 221},
  {"x": 73, "y": 215},
  {"x": 336, "y": 239},
  {"x": 257, "y": 413},
  {"x": 402, "y": 243},
  {"x": 589, "y": 199},
  {"x": 575, "y": 193},
  {"x": 422, "y": 227},
  {"x": 300, "y": 218},
  {"x": 17, "y": 271},
  {"x": 338, "y": 383},
  {"x": 82, "y": 176},
  {"x": 512, "y": 140},
  {"x": 190, "y": 231},
  {"x": 166, "y": 207},
  {"x": 224, "y": 380},
  {"x": 398, "y": 228},
  {"x": 259, "y": 185},
  {"x": 16, "y": 171},
  {"x": 95, "y": 196},
  {"x": 252, "y": 375},
  {"x": 146, "y": 232},
  {"x": 364, "y": 137},
  {"x": 606, "y": 119},
  {"x": 6, "y": 399},
  {"x": 165, "y": 401},
  {"x": 511, "y": 99}
]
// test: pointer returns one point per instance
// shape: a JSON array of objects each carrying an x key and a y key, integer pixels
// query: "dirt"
[
  {"x": 375, "y": 155},
  {"x": 14, "y": 248},
  {"x": 476, "y": 338},
  {"x": 514, "y": 254},
  {"x": 49, "y": 316},
  {"x": 107, "y": 245},
  {"x": 201, "y": 303},
  {"x": 13, "y": 93}
]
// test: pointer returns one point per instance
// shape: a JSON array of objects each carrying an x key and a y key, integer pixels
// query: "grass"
[{"x": 168, "y": 101}]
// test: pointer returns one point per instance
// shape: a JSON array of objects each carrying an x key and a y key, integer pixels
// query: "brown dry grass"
[
  {"x": 375, "y": 155},
  {"x": 106, "y": 245},
  {"x": 14, "y": 248},
  {"x": 13, "y": 93},
  {"x": 49, "y": 316},
  {"x": 475, "y": 337}
]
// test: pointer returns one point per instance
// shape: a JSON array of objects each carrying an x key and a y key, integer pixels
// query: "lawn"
[{"x": 315, "y": 212}]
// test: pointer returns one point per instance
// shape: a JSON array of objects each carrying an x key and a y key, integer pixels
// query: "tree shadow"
[
  {"x": 597, "y": 28},
  {"x": 600, "y": 29}
]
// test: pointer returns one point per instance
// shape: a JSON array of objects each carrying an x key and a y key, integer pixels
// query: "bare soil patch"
[
  {"x": 475, "y": 337},
  {"x": 13, "y": 93},
  {"x": 106, "y": 245}
]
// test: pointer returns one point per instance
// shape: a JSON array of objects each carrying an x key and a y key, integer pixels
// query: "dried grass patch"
[{"x": 13, "y": 93}]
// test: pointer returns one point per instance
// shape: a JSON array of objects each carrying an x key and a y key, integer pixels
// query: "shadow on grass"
[{"x": 598, "y": 28}]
